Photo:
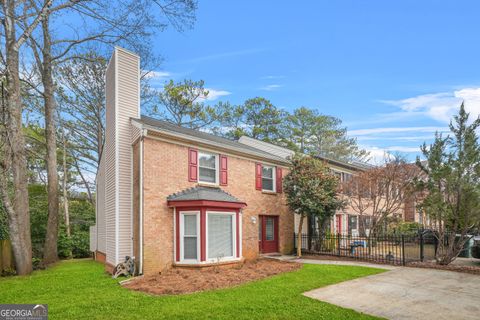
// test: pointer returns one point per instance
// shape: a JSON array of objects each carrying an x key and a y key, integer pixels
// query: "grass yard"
[{"x": 79, "y": 289}]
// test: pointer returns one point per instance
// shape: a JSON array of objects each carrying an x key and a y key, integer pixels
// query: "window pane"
[
  {"x": 220, "y": 236},
  {"x": 267, "y": 172},
  {"x": 207, "y": 175},
  {"x": 190, "y": 248},
  {"x": 267, "y": 184},
  {"x": 269, "y": 229},
  {"x": 206, "y": 160},
  {"x": 352, "y": 223},
  {"x": 190, "y": 228}
]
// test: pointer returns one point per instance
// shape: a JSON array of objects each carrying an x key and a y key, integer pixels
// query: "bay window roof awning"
[{"x": 204, "y": 196}]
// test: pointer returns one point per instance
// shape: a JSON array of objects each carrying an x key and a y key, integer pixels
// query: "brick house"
[{"x": 172, "y": 196}]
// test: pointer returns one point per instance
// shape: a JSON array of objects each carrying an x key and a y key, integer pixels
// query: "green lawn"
[{"x": 80, "y": 289}]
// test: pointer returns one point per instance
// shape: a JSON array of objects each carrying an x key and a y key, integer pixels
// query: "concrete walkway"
[{"x": 407, "y": 293}]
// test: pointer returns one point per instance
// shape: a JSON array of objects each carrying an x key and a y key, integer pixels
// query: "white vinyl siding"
[
  {"x": 110, "y": 155},
  {"x": 100, "y": 241},
  {"x": 128, "y": 107},
  {"x": 93, "y": 238},
  {"x": 122, "y": 104}
]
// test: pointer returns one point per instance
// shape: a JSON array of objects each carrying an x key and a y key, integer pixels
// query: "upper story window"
[
  {"x": 207, "y": 167},
  {"x": 268, "y": 178},
  {"x": 346, "y": 176}
]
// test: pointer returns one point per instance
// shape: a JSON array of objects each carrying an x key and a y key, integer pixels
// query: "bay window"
[
  {"x": 208, "y": 236},
  {"x": 220, "y": 235},
  {"x": 189, "y": 236}
]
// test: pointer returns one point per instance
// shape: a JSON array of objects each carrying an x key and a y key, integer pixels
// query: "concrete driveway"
[{"x": 408, "y": 293}]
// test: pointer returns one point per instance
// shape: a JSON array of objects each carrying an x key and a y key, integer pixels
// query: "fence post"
[
  {"x": 338, "y": 244},
  {"x": 403, "y": 250},
  {"x": 422, "y": 252}
]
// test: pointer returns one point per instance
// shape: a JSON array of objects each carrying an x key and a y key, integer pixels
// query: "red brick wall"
[{"x": 165, "y": 172}]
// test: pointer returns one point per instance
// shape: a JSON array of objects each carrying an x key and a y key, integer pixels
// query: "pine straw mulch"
[
  {"x": 450, "y": 267},
  {"x": 180, "y": 281}
]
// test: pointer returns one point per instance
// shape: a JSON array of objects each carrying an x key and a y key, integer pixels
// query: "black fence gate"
[{"x": 396, "y": 249}]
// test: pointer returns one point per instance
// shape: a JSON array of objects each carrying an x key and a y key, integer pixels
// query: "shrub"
[{"x": 81, "y": 244}]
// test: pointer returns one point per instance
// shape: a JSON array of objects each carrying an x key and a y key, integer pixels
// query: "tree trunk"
[
  {"x": 299, "y": 236},
  {"x": 50, "y": 253},
  {"x": 18, "y": 215}
]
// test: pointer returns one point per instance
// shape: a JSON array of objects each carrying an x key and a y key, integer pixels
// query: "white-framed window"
[
  {"x": 268, "y": 178},
  {"x": 221, "y": 233},
  {"x": 190, "y": 236},
  {"x": 208, "y": 167}
]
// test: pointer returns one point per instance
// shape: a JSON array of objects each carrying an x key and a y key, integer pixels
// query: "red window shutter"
[
  {"x": 223, "y": 170},
  {"x": 192, "y": 165},
  {"x": 279, "y": 179},
  {"x": 258, "y": 176}
]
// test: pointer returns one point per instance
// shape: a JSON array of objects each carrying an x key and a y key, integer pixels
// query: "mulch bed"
[
  {"x": 450, "y": 267},
  {"x": 179, "y": 281}
]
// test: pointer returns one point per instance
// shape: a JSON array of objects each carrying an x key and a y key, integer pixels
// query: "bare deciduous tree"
[
  {"x": 380, "y": 192},
  {"x": 14, "y": 164}
]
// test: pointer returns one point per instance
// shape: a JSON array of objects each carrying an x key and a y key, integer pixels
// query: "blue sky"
[{"x": 393, "y": 71}]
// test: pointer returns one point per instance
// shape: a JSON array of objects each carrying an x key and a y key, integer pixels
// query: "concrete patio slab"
[{"x": 408, "y": 293}]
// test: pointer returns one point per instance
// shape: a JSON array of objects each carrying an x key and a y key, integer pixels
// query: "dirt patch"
[
  {"x": 450, "y": 267},
  {"x": 179, "y": 281}
]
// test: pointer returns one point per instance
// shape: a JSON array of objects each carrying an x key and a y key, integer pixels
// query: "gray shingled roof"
[
  {"x": 214, "y": 140},
  {"x": 203, "y": 193}
]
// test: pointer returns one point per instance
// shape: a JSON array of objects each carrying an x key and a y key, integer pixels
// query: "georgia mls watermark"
[{"x": 23, "y": 312}]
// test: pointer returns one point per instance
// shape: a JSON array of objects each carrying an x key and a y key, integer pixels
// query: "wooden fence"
[{"x": 6, "y": 255}]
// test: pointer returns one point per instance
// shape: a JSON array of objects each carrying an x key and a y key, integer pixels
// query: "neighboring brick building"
[{"x": 176, "y": 196}]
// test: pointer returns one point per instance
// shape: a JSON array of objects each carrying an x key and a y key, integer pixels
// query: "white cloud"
[
  {"x": 362, "y": 132},
  {"x": 157, "y": 75},
  {"x": 271, "y": 87},
  {"x": 441, "y": 106},
  {"x": 401, "y": 138},
  {"x": 378, "y": 154},
  {"x": 214, "y": 94}
]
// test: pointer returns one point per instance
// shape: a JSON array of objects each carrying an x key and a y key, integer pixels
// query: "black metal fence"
[{"x": 396, "y": 249}]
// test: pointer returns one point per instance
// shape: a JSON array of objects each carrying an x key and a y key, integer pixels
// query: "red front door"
[{"x": 268, "y": 235}]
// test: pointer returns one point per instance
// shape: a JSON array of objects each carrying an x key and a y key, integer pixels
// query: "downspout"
[{"x": 140, "y": 214}]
